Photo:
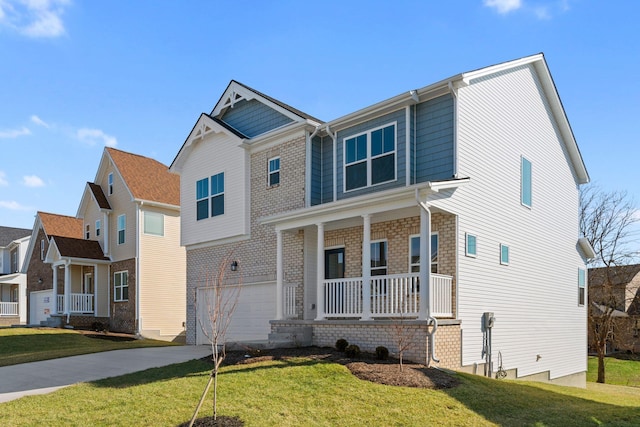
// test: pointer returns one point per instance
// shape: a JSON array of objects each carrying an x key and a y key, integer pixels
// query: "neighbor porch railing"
[
  {"x": 79, "y": 303},
  {"x": 290, "y": 301},
  {"x": 396, "y": 295},
  {"x": 8, "y": 308}
]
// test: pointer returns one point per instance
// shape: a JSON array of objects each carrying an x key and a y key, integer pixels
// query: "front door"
[
  {"x": 334, "y": 263},
  {"x": 87, "y": 286}
]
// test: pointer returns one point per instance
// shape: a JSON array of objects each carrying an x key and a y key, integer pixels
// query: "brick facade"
[
  {"x": 123, "y": 313},
  {"x": 257, "y": 255},
  {"x": 38, "y": 271}
]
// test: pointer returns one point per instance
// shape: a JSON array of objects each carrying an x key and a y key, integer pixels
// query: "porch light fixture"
[
  {"x": 234, "y": 265},
  {"x": 39, "y": 280}
]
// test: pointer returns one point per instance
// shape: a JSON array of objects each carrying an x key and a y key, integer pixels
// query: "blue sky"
[{"x": 78, "y": 75}]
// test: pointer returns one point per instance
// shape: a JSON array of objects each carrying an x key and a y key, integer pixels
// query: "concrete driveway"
[{"x": 50, "y": 375}]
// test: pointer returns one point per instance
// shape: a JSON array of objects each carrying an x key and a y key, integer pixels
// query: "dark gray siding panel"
[
  {"x": 253, "y": 118},
  {"x": 434, "y": 139},
  {"x": 399, "y": 118},
  {"x": 327, "y": 169},
  {"x": 316, "y": 171}
]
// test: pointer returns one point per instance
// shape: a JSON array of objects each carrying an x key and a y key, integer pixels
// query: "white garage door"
[
  {"x": 41, "y": 304},
  {"x": 250, "y": 320}
]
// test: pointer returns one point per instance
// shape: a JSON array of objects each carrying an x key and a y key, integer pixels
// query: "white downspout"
[
  {"x": 425, "y": 276},
  {"x": 138, "y": 275}
]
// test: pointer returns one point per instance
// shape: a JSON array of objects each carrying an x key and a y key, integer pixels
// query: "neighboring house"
[
  {"x": 469, "y": 184},
  {"x": 13, "y": 283},
  {"x": 616, "y": 290},
  {"x": 123, "y": 265}
]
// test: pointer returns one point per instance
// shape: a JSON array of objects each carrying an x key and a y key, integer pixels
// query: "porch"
[
  {"x": 80, "y": 303},
  {"x": 12, "y": 305}
]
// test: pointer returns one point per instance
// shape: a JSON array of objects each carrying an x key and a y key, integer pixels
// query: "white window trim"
[
  {"x": 121, "y": 287},
  {"x": 87, "y": 231},
  {"x": 466, "y": 245},
  {"x": 98, "y": 227},
  {"x": 502, "y": 262},
  {"x": 270, "y": 172},
  {"x": 369, "y": 158},
  {"x": 41, "y": 249},
  {"x": 522, "y": 159},
  {"x": 211, "y": 195},
  {"x": 386, "y": 247},
  {"x": 124, "y": 240},
  {"x": 110, "y": 183},
  {"x": 582, "y": 286},
  {"x": 437, "y": 263},
  {"x": 144, "y": 225}
]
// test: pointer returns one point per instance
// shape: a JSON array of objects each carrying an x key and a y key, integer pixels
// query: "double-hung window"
[
  {"x": 42, "y": 250},
  {"x": 153, "y": 223},
  {"x": 87, "y": 232},
  {"x": 14, "y": 260},
  {"x": 210, "y": 196},
  {"x": 582, "y": 280},
  {"x": 414, "y": 253},
  {"x": 98, "y": 224},
  {"x": 379, "y": 258},
  {"x": 274, "y": 171},
  {"x": 121, "y": 286},
  {"x": 110, "y": 183},
  {"x": 370, "y": 158},
  {"x": 122, "y": 227}
]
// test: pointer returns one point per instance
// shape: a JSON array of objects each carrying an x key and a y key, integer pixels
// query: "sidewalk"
[{"x": 49, "y": 375}]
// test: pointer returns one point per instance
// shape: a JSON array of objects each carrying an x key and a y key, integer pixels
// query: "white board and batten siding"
[
  {"x": 216, "y": 153},
  {"x": 539, "y": 325},
  {"x": 256, "y": 306}
]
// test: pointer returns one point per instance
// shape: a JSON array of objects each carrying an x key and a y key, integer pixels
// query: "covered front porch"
[
  {"x": 12, "y": 299},
  {"x": 366, "y": 260}
]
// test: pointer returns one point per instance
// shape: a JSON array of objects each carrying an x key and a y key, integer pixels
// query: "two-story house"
[
  {"x": 13, "y": 282},
  {"x": 125, "y": 269},
  {"x": 469, "y": 185}
]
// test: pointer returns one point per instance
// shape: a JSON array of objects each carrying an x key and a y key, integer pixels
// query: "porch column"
[
  {"x": 55, "y": 289},
  {"x": 67, "y": 288},
  {"x": 279, "y": 275},
  {"x": 366, "y": 267},
  {"x": 320, "y": 273},
  {"x": 425, "y": 263}
]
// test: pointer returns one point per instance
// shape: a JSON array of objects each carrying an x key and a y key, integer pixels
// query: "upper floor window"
[
  {"x": 110, "y": 183},
  {"x": 42, "y": 250},
  {"x": 216, "y": 191},
  {"x": 379, "y": 258},
  {"x": 525, "y": 183},
  {"x": 87, "y": 232},
  {"x": 122, "y": 227},
  {"x": 121, "y": 286},
  {"x": 414, "y": 253},
  {"x": 582, "y": 280},
  {"x": 98, "y": 227},
  {"x": 370, "y": 158},
  {"x": 154, "y": 223},
  {"x": 504, "y": 254},
  {"x": 14, "y": 260},
  {"x": 274, "y": 171},
  {"x": 471, "y": 245}
]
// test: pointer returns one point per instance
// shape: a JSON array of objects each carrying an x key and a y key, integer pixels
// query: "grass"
[
  {"x": 302, "y": 392},
  {"x": 22, "y": 345},
  {"x": 620, "y": 370}
]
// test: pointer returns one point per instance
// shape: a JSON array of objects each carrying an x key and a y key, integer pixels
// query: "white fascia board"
[
  {"x": 49, "y": 258},
  {"x": 486, "y": 71},
  {"x": 383, "y": 201},
  {"x": 276, "y": 136},
  {"x": 115, "y": 167},
  {"x": 37, "y": 225},
  {"x": 203, "y": 127},
  {"x": 143, "y": 202}
]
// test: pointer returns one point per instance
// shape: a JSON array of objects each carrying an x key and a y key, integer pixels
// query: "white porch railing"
[
  {"x": 343, "y": 297},
  {"x": 80, "y": 303},
  {"x": 8, "y": 308},
  {"x": 391, "y": 296},
  {"x": 289, "y": 301}
]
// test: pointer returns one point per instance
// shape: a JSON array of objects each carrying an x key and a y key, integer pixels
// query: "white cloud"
[
  {"x": 14, "y": 133},
  {"x": 503, "y": 6},
  {"x": 13, "y": 205},
  {"x": 38, "y": 121},
  {"x": 34, "y": 18},
  {"x": 32, "y": 181},
  {"x": 95, "y": 136},
  {"x": 3, "y": 179}
]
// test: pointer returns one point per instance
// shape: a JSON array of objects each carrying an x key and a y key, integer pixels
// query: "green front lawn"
[
  {"x": 302, "y": 392},
  {"x": 620, "y": 370},
  {"x": 21, "y": 345}
]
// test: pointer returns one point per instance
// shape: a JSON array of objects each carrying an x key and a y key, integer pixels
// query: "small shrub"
[
  {"x": 382, "y": 353},
  {"x": 342, "y": 344},
  {"x": 352, "y": 351},
  {"x": 98, "y": 327}
]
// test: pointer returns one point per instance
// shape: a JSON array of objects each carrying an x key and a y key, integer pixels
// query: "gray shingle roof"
[{"x": 9, "y": 234}]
